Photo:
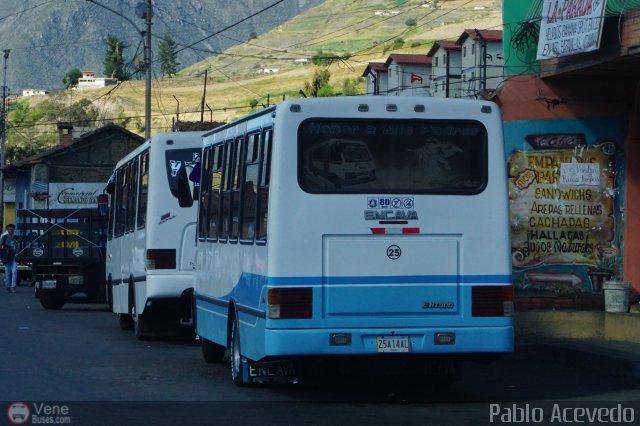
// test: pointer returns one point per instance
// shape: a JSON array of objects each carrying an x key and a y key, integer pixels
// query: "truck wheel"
[
  {"x": 52, "y": 299},
  {"x": 212, "y": 352}
]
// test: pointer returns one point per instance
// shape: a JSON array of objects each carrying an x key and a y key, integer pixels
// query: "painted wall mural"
[{"x": 566, "y": 204}]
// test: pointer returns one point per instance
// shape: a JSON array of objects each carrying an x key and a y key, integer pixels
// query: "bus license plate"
[{"x": 393, "y": 344}]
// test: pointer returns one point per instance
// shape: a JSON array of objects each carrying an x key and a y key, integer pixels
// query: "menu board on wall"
[{"x": 562, "y": 204}]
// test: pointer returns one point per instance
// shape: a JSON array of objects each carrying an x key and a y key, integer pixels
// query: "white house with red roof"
[
  {"x": 482, "y": 62},
  {"x": 408, "y": 74},
  {"x": 90, "y": 81},
  {"x": 376, "y": 75},
  {"x": 446, "y": 69}
]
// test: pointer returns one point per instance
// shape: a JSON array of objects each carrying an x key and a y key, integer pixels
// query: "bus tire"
[
  {"x": 212, "y": 352},
  {"x": 52, "y": 299},
  {"x": 110, "y": 295},
  {"x": 236, "y": 354},
  {"x": 126, "y": 323},
  {"x": 139, "y": 326}
]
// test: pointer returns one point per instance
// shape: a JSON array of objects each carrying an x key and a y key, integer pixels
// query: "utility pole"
[
  {"x": 204, "y": 95},
  {"x": 210, "y": 113},
  {"x": 483, "y": 42},
  {"x": 4, "y": 135},
  {"x": 147, "y": 62},
  {"x": 177, "y": 108}
]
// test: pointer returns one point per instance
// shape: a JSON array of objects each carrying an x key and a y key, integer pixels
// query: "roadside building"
[
  {"x": 34, "y": 92},
  {"x": 482, "y": 62},
  {"x": 90, "y": 81},
  {"x": 376, "y": 78},
  {"x": 408, "y": 74},
  {"x": 446, "y": 63},
  {"x": 570, "y": 105},
  {"x": 38, "y": 181}
]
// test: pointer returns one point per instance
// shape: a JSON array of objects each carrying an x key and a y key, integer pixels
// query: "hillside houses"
[
  {"x": 469, "y": 67},
  {"x": 90, "y": 81}
]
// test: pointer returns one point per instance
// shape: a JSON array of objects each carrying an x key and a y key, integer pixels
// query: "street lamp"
[{"x": 144, "y": 11}]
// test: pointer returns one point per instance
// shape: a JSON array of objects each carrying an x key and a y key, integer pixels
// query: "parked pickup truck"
[{"x": 66, "y": 251}]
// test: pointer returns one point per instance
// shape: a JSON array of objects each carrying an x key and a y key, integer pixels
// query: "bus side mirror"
[{"x": 185, "y": 198}]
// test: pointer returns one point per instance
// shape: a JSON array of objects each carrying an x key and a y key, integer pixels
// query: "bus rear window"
[{"x": 392, "y": 156}]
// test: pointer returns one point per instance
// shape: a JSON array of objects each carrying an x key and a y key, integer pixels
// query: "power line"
[{"x": 231, "y": 26}]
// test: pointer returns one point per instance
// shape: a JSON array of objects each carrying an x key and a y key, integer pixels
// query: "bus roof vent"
[
  {"x": 295, "y": 108},
  {"x": 486, "y": 109},
  {"x": 363, "y": 107},
  {"x": 392, "y": 107},
  {"x": 419, "y": 108}
]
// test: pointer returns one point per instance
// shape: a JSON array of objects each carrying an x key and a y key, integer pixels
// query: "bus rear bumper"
[{"x": 441, "y": 340}]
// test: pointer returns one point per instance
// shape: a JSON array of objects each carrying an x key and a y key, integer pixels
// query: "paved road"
[{"x": 79, "y": 356}]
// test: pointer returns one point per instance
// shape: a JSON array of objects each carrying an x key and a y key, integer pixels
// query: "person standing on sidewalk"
[{"x": 8, "y": 248}]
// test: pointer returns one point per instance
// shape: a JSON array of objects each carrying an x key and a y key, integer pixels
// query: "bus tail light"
[
  {"x": 161, "y": 259},
  {"x": 290, "y": 303},
  {"x": 492, "y": 301}
]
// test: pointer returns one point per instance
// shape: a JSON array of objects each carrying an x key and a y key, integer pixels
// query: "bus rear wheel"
[
  {"x": 212, "y": 352},
  {"x": 236, "y": 355}
]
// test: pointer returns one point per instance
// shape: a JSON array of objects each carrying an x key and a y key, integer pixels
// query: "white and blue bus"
[
  {"x": 151, "y": 237},
  {"x": 355, "y": 227}
]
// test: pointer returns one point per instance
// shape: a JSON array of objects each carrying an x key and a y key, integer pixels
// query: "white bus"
[
  {"x": 367, "y": 228},
  {"x": 151, "y": 239}
]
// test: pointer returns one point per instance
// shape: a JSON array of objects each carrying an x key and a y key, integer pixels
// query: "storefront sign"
[
  {"x": 10, "y": 191},
  {"x": 74, "y": 195},
  {"x": 569, "y": 27}
]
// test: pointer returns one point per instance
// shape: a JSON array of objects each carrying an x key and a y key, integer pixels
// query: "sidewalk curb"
[{"x": 599, "y": 356}]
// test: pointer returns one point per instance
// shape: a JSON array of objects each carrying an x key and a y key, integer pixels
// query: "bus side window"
[
  {"x": 144, "y": 190},
  {"x": 121, "y": 202},
  {"x": 227, "y": 172},
  {"x": 216, "y": 186},
  {"x": 133, "y": 195},
  {"x": 112, "y": 209},
  {"x": 249, "y": 196},
  {"x": 263, "y": 190},
  {"x": 205, "y": 172},
  {"x": 236, "y": 183}
]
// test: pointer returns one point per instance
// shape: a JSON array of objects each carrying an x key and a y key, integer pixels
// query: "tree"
[
  {"x": 319, "y": 81},
  {"x": 324, "y": 59},
  {"x": 411, "y": 22},
  {"x": 167, "y": 56},
  {"x": 350, "y": 86},
  {"x": 121, "y": 117},
  {"x": 114, "y": 65},
  {"x": 71, "y": 78}
]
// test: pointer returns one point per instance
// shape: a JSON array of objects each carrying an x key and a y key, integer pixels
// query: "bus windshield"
[{"x": 392, "y": 156}]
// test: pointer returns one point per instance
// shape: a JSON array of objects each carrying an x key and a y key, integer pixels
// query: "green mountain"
[{"x": 47, "y": 38}]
